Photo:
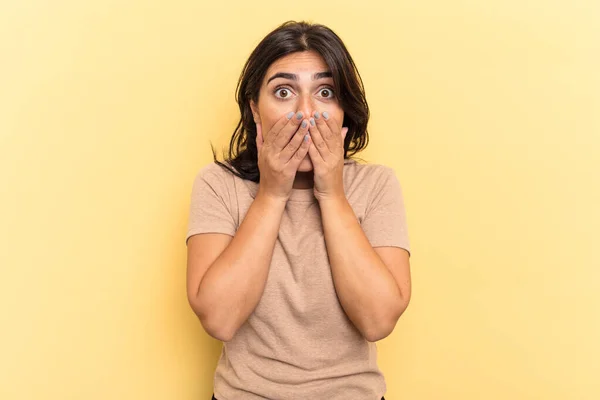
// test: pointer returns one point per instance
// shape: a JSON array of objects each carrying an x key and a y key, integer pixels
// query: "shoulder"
[
  {"x": 214, "y": 174},
  {"x": 214, "y": 179},
  {"x": 368, "y": 174},
  {"x": 214, "y": 170}
]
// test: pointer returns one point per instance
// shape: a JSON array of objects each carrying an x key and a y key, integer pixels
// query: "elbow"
[
  {"x": 378, "y": 328},
  {"x": 217, "y": 330},
  {"x": 213, "y": 324},
  {"x": 384, "y": 325},
  {"x": 377, "y": 333}
]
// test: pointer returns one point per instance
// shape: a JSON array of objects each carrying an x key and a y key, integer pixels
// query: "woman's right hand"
[{"x": 280, "y": 153}]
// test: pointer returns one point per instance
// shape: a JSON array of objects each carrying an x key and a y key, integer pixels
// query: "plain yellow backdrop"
[{"x": 487, "y": 110}]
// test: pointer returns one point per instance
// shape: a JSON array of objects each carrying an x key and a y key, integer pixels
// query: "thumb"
[{"x": 344, "y": 132}]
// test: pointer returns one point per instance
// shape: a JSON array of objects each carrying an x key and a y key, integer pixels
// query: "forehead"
[{"x": 306, "y": 61}]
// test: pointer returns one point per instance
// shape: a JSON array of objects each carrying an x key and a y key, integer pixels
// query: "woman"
[{"x": 298, "y": 256}]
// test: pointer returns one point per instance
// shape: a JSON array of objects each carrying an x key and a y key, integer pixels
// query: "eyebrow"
[{"x": 294, "y": 77}]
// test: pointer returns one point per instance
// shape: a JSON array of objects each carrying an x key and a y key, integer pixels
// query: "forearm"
[
  {"x": 365, "y": 286},
  {"x": 234, "y": 283}
]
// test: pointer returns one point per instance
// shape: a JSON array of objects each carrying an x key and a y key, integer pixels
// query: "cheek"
[
  {"x": 270, "y": 114},
  {"x": 334, "y": 110}
]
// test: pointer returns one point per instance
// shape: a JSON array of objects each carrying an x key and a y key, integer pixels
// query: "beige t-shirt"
[{"x": 298, "y": 343}]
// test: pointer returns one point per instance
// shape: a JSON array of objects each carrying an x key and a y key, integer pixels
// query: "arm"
[
  {"x": 227, "y": 276},
  {"x": 373, "y": 284},
  {"x": 227, "y": 271}
]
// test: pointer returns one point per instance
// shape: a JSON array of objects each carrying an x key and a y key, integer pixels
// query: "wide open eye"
[
  {"x": 326, "y": 93},
  {"x": 283, "y": 93}
]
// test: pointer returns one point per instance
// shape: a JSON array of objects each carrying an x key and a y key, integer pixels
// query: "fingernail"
[
  {"x": 325, "y": 115},
  {"x": 290, "y": 115},
  {"x": 306, "y": 137},
  {"x": 304, "y": 124},
  {"x": 299, "y": 115},
  {"x": 317, "y": 115},
  {"x": 312, "y": 121}
]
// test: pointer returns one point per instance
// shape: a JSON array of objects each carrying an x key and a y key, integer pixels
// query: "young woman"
[{"x": 298, "y": 256}]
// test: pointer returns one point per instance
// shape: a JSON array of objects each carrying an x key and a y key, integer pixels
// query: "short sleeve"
[
  {"x": 210, "y": 206},
  {"x": 385, "y": 222}
]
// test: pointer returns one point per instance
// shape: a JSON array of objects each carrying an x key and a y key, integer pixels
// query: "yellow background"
[{"x": 487, "y": 110}]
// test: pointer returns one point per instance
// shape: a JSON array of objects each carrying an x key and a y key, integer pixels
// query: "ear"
[
  {"x": 255, "y": 114},
  {"x": 259, "y": 138},
  {"x": 344, "y": 132}
]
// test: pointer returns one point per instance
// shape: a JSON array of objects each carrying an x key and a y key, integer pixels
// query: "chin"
[{"x": 305, "y": 165}]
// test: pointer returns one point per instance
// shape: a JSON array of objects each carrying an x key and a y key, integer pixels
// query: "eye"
[
  {"x": 326, "y": 93},
  {"x": 283, "y": 93}
]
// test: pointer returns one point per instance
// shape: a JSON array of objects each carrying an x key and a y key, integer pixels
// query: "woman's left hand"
[{"x": 326, "y": 153}]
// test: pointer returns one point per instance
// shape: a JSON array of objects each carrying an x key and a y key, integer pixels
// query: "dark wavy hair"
[{"x": 288, "y": 38}]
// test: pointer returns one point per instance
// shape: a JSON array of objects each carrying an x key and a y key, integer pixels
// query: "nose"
[{"x": 306, "y": 105}]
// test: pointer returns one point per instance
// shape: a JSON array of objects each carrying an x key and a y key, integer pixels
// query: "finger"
[
  {"x": 259, "y": 137},
  {"x": 330, "y": 131},
  {"x": 288, "y": 130},
  {"x": 317, "y": 137},
  {"x": 278, "y": 127},
  {"x": 290, "y": 149},
  {"x": 315, "y": 156},
  {"x": 299, "y": 155}
]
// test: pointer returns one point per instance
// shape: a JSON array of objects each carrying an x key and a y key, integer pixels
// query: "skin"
[
  {"x": 226, "y": 276},
  {"x": 307, "y": 93}
]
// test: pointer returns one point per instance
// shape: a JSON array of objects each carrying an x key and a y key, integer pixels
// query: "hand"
[
  {"x": 280, "y": 154},
  {"x": 327, "y": 155}
]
